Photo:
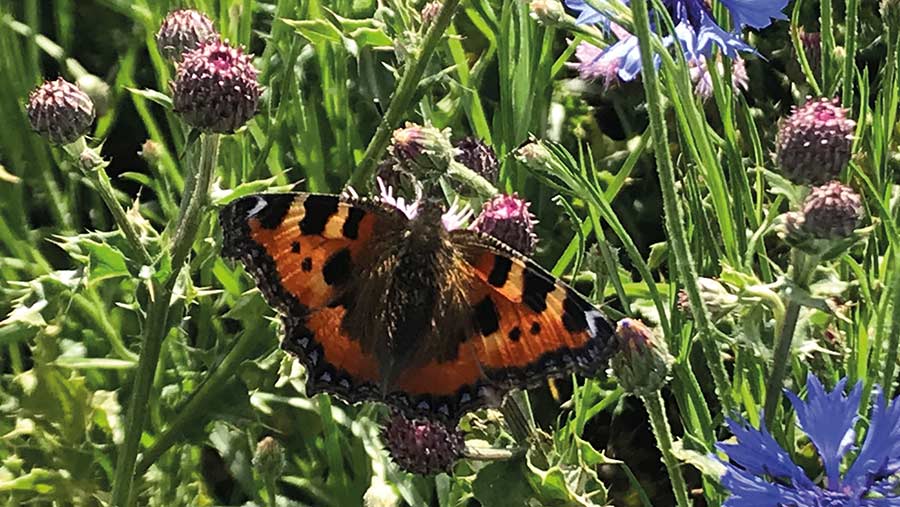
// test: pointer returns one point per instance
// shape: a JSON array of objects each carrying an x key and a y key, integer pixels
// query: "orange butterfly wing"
[
  {"x": 526, "y": 326},
  {"x": 300, "y": 248}
]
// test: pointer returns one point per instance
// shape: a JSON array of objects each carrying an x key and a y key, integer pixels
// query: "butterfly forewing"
[{"x": 302, "y": 249}]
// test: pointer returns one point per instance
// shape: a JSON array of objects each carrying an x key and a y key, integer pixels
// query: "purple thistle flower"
[
  {"x": 696, "y": 29},
  {"x": 760, "y": 472}
]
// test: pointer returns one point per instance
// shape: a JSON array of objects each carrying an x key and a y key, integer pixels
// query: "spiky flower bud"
[
  {"x": 182, "y": 31},
  {"x": 479, "y": 157},
  {"x": 643, "y": 362},
  {"x": 814, "y": 143},
  {"x": 152, "y": 152},
  {"x": 422, "y": 446},
  {"x": 812, "y": 47},
  {"x": 59, "y": 111},
  {"x": 506, "y": 217},
  {"x": 536, "y": 156},
  {"x": 216, "y": 89},
  {"x": 547, "y": 11},
  {"x": 430, "y": 13},
  {"x": 269, "y": 458},
  {"x": 832, "y": 211},
  {"x": 423, "y": 149}
]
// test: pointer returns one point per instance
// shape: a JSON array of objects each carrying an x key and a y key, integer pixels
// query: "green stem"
[
  {"x": 403, "y": 97},
  {"x": 154, "y": 333},
  {"x": 783, "y": 341},
  {"x": 850, "y": 57},
  {"x": 890, "y": 361},
  {"x": 94, "y": 169},
  {"x": 193, "y": 412},
  {"x": 155, "y": 326},
  {"x": 826, "y": 25},
  {"x": 673, "y": 214},
  {"x": 471, "y": 179},
  {"x": 271, "y": 492},
  {"x": 663, "y": 433}
]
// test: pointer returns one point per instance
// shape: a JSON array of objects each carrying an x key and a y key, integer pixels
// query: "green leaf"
[
  {"x": 153, "y": 96},
  {"x": 99, "y": 363},
  {"x": 316, "y": 31},
  {"x": 502, "y": 483}
]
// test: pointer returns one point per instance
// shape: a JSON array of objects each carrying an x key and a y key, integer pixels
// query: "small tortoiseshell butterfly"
[{"x": 385, "y": 305}]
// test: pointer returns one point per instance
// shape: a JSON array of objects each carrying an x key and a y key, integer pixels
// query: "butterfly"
[{"x": 383, "y": 304}]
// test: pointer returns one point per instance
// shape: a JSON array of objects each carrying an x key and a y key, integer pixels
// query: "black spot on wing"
[
  {"x": 500, "y": 272},
  {"x": 535, "y": 288},
  {"x": 338, "y": 267},
  {"x": 295, "y": 247},
  {"x": 272, "y": 214},
  {"x": 574, "y": 315},
  {"x": 535, "y": 328},
  {"x": 486, "y": 319},
  {"x": 306, "y": 265},
  {"x": 318, "y": 209},
  {"x": 351, "y": 225},
  {"x": 515, "y": 334}
]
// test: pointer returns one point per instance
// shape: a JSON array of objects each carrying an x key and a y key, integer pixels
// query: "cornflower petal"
[
  {"x": 755, "y": 13},
  {"x": 828, "y": 419},
  {"x": 758, "y": 453},
  {"x": 879, "y": 456},
  {"x": 748, "y": 490}
]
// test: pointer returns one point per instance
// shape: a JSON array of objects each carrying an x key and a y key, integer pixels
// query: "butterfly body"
[{"x": 384, "y": 306}]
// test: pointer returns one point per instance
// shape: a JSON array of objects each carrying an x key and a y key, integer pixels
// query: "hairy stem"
[
  {"x": 155, "y": 326},
  {"x": 673, "y": 215},
  {"x": 403, "y": 97},
  {"x": 663, "y": 434},
  {"x": 783, "y": 341}
]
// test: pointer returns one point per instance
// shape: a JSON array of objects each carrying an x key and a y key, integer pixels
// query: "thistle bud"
[
  {"x": 430, "y": 13},
  {"x": 152, "y": 152},
  {"x": 423, "y": 149},
  {"x": 479, "y": 157},
  {"x": 422, "y": 446},
  {"x": 537, "y": 157},
  {"x": 832, "y": 211},
  {"x": 182, "y": 31},
  {"x": 215, "y": 89},
  {"x": 643, "y": 362},
  {"x": 814, "y": 143},
  {"x": 269, "y": 458},
  {"x": 811, "y": 43},
  {"x": 60, "y": 111},
  {"x": 547, "y": 12},
  {"x": 506, "y": 217}
]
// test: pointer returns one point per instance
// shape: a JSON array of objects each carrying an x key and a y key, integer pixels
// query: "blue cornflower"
[
  {"x": 695, "y": 29},
  {"x": 760, "y": 473}
]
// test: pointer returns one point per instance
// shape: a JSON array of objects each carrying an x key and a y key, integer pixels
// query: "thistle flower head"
[
  {"x": 506, "y": 217},
  {"x": 269, "y": 458},
  {"x": 422, "y": 446},
  {"x": 184, "y": 30},
  {"x": 215, "y": 89},
  {"x": 702, "y": 79},
  {"x": 760, "y": 472},
  {"x": 546, "y": 11},
  {"x": 814, "y": 143},
  {"x": 643, "y": 362},
  {"x": 430, "y": 13},
  {"x": 831, "y": 211},
  {"x": 478, "y": 156},
  {"x": 424, "y": 150},
  {"x": 59, "y": 111}
]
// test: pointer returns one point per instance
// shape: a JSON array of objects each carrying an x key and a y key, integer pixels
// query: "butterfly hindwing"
[
  {"x": 529, "y": 325},
  {"x": 301, "y": 249}
]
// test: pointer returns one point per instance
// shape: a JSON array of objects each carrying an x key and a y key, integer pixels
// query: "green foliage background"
[{"x": 75, "y": 298}]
